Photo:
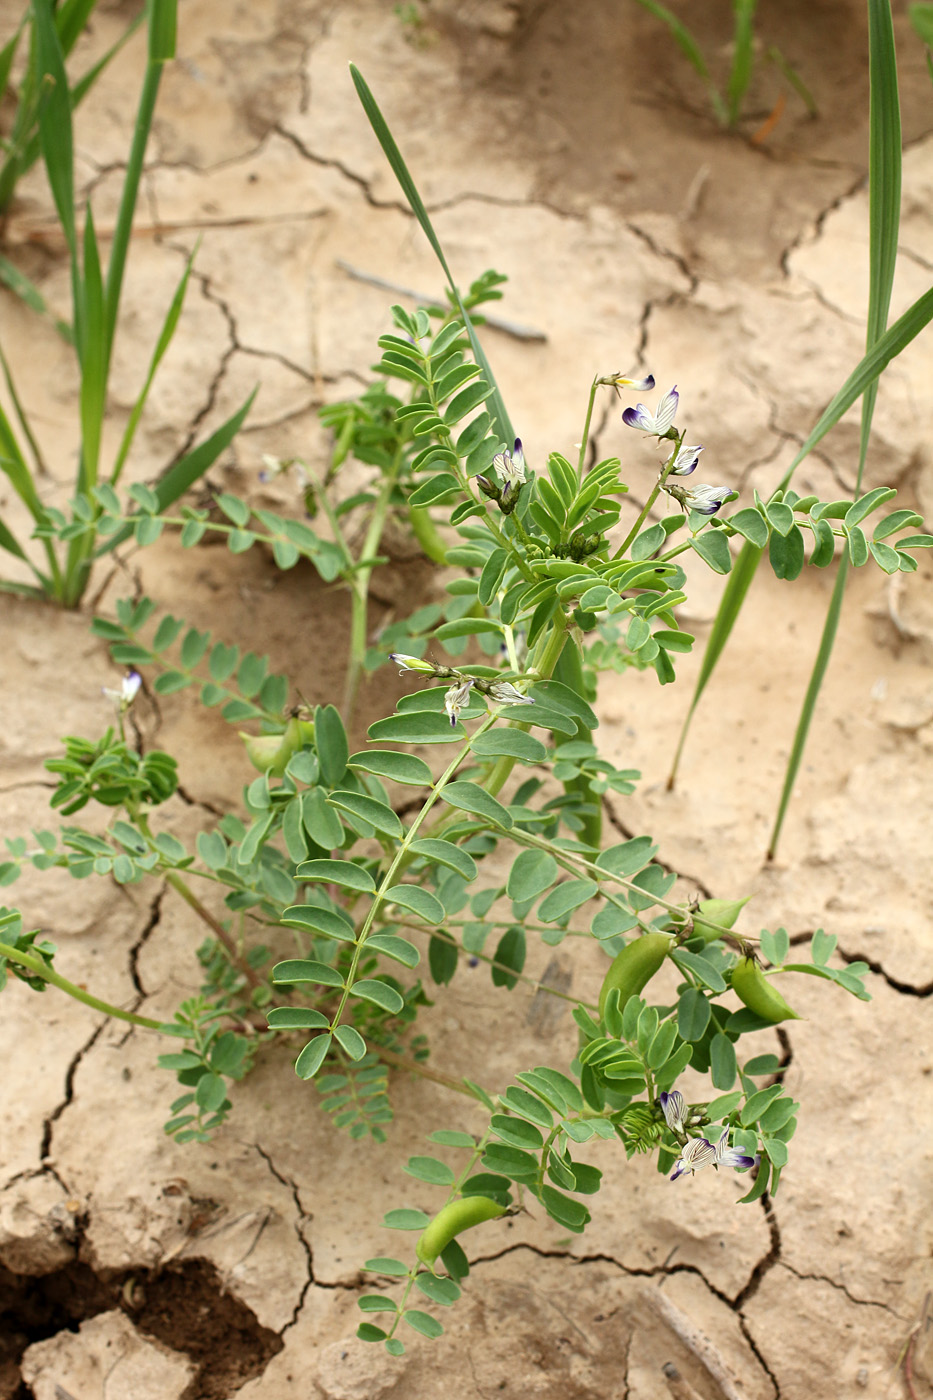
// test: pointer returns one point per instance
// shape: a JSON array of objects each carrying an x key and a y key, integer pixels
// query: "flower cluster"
[
  {"x": 510, "y": 469},
  {"x": 499, "y": 692},
  {"x": 698, "y": 1152},
  {"x": 705, "y": 500}
]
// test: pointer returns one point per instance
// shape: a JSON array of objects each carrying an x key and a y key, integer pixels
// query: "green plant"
[
  {"x": 338, "y": 889},
  {"x": 727, "y": 104},
  {"x": 348, "y": 899},
  {"x": 21, "y": 147},
  {"x": 71, "y": 541}
]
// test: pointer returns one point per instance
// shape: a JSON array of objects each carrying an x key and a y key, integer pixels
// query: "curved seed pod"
[
  {"x": 723, "y": 912},
  {"x": 759, "y": 994},
  {"x": 634, "y": 967},
  {"x": 270, "y": 752},
  {"x": 452, "y": 1220}
]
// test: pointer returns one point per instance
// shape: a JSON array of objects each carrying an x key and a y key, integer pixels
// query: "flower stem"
[
  {"x": 652, "y": 497},
  {"x": 581, "y": 460}
]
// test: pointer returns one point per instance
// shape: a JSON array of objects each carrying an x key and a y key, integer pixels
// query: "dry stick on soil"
[{"x": 695, "y": 1341}]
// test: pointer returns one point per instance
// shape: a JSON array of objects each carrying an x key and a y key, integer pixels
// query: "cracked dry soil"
[{"x": 566, "y": 146}]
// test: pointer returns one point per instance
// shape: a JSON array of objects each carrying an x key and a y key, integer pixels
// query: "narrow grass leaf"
[{"x": 394, "y": 156}]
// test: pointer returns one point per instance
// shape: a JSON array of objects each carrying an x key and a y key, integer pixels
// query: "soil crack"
[
  {"x": 155, "y": 914},
  {"x": 338, "y": 165},
  {"x": 45, "y": 1149},
  {"x": 841, "y": 1288},
  {"x": 301, "y": 1216},
  {"x": 620, "y": 826}
]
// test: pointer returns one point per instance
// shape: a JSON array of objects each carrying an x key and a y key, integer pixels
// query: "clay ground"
[{"x": 568, "y": 146}]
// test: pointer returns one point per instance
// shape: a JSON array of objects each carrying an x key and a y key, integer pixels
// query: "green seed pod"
[
  {"x": 270, "y": 752},
  {"x": 759, "y": 994},
  {"x": 634, "y": 967},
  {"x": 451, "y": 1221},
  {"x": 723, "y": 912}
]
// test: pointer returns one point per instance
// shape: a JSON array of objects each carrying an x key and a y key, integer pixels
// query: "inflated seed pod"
[
  {"x": 270, "y": 752},
  {"x": 633, "y": 968},
  {"x": 451, "y": 1221},
  {"x": 723, "y": 912},
  {"x": 759, "y": 994}
]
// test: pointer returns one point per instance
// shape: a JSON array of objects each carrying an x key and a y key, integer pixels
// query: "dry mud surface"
[{"x": 565, "y": 145}]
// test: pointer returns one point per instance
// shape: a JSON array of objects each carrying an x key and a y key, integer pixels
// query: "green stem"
[
  {"x": 48, "y": 974},
  {"x": 220, "y": 933},
  {"x": 359, "y": 589},
  {"x": 586, "y": 433},
  {"x": 652, "y": 497},
  {"x": 397, "y": 861},
  {"x": 544, "y": 666}
]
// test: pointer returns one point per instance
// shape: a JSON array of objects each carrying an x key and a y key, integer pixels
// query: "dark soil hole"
[{"x": 183, "y": 1306}]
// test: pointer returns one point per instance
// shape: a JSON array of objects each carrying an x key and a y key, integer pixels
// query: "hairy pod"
[
  {"x": 451, "y": 1221},
  {"x": 723, "y": 912},
  {"x": 634, "y": 967},
  {"x": 759, "y": 994}
]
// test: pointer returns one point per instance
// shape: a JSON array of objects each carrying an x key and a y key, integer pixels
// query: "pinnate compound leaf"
[
  {"x": 446, "y": 853},
  {"x": 423, "y": 1322},
  {"x": 533, "y": 871},
  {"x": 380, "y": 993},
  {"x": 509, "y": 743},
  {"x": 406, "y": 1219},
  {"x": 470, "y": 797},
  {"x": 398, "y": 767},
  {"x": 431, "y": 1170},
  {"x": 509, "y": 957},
  {"x": 418, "y": 901},
  {"x": 337, "y": 872},
  {"x": 312, "y": 1057},
  {"x": 295, "y": 970},
  {"x": 350, "y": 1041},
  {"x": 394, "y": 947}
]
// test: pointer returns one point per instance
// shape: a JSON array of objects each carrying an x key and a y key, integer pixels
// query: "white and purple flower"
[
  {"x": 698, "y": 1153},
  {"x": 510, "y": 469},
  {"x": 504, "y": 693},
  {"x": 659, "y": 422},
  {"x": 455, "y": 699},
  {"x": 412, "y": 663},
  {"x": 685, "y": 460},
  {"x": 622, "y": 381},
  {"x": 674, "y": 1108},
  {"x": 129, "y": 689},
  {"x": 705, "y": 500}
]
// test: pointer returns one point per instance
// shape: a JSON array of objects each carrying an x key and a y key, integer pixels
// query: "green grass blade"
[
  {"x": 884, "y": 203},
  {"x": 394, "y": 156},
  {"x": 737, "y": 585},
  {"x": 7, "y": 55},
  {"x": 187, "y": 471},
  {"x": 70, "y": 19},
  {"x": 14, "y": 465},
  {"x": 162, "y": 16},
  {"x": 817, "y": 676},
  {"x": 11, "y": 544},
  {"x": 55, "y": 132},
  {"x": 87, "y": 80},
  {"x": 691, "y": 51},
  {"x": 21, "y": 416},
  {"x": 165, "y": 338},
  {"x": 30, "y": 295},
  {"x": 743, "y": 57},
  {"x": 93, "y": 355},
  {"x": 791, "y": 76}
]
